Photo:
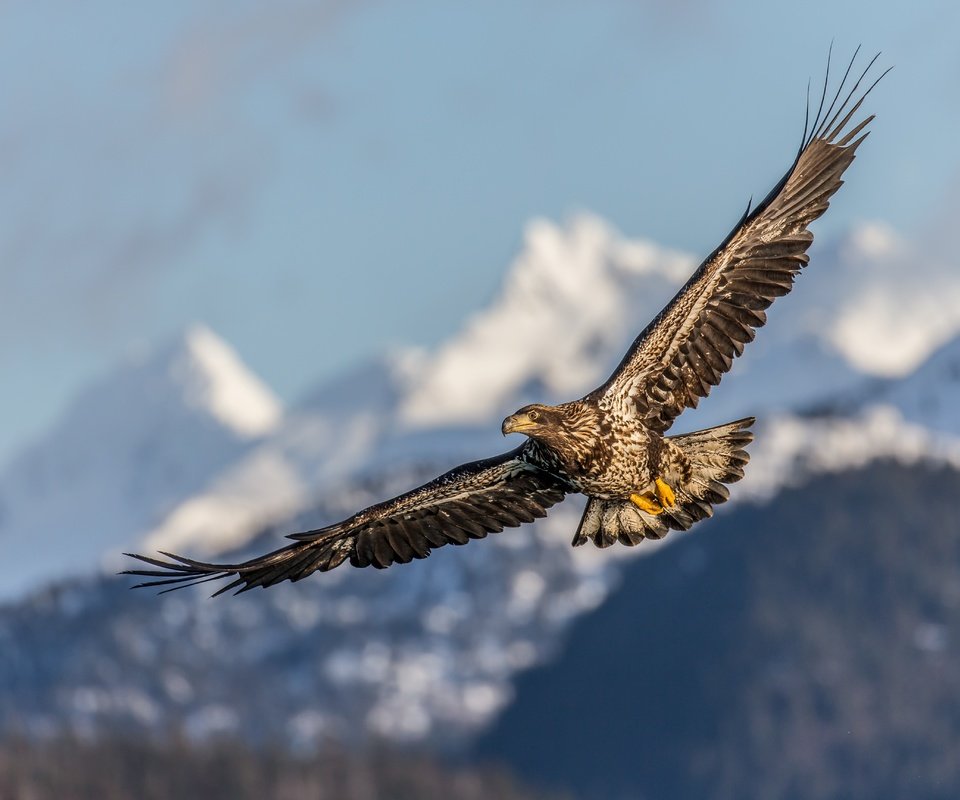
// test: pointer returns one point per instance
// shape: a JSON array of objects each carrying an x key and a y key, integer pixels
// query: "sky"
[{"x": 321, "y": 181}]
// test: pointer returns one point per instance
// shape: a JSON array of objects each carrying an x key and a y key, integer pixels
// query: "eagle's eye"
[{"x": 533, "y": 415}]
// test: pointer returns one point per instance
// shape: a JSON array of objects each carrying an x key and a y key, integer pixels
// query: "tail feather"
[{"x": 717, "y": 457}]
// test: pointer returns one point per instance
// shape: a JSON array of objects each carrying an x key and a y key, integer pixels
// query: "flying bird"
[{"x": 612, "y": 444}]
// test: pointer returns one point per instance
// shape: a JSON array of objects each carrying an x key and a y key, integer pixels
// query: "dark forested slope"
[{"x": 807, "y": 649}]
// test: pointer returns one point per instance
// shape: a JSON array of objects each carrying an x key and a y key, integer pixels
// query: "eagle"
[{"x": 612, "y": 444}]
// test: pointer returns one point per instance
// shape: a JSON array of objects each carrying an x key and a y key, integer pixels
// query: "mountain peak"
[
  {"x": 138, "y": 441},
  {"x": 561, "y": 310},
  {"x": 214, "y": 378}
]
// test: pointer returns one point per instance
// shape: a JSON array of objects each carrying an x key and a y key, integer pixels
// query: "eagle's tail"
[{"x": 717, "y": 457}]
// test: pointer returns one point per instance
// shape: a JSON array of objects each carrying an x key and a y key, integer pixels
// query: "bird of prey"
[{"x": 610, "y": 445}]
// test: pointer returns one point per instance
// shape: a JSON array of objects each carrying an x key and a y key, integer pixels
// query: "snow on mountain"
[
  {"x": 568, "y": 304},
  {"x": 273, "y": 481},
  {"x": 878, "y": 301},
  {"x": 789, "y": 449},
  {"x": 137, "y": 442},
  {"x": 930, "y": 396},
  {"x": 329, "y": 436},
  {"x": 216, "y": 382}
]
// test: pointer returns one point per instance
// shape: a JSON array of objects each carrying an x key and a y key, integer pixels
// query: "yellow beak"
[{"x": 517, "y": 423}]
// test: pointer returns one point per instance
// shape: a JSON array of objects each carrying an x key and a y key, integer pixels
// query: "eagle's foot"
[
  {"x": 659, "y": 500},
  {"x": 647, "y": 502},
  {"x": 665, "y": 494}
]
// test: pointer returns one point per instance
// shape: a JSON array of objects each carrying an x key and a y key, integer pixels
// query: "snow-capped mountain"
[
  {"x": 187, "y": 451},
  {"x": 135, "y": 444}
]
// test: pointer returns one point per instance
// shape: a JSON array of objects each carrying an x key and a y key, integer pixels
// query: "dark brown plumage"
[{"x": 609, "y": 445}]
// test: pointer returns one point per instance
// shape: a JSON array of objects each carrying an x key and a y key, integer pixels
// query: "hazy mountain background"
[{"x": 265, "y": 267}]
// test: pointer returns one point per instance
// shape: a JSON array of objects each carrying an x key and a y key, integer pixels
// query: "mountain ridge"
[{"x": 138, "y": 441}]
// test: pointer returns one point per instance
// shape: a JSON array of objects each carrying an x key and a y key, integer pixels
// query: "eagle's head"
[
  {"x": 534, "y": 420},
  {"x": 570, "y": 426}
]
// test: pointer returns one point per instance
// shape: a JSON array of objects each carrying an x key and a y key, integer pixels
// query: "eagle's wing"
[
  {"x": 690, "y": 345},
  {"x": 467, "y": 502}
]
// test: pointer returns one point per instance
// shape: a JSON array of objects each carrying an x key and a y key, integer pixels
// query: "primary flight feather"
[{"x": 610, "y": 445}]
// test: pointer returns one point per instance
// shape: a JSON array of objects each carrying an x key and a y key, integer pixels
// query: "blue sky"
[{"x": 319, "y": 181}]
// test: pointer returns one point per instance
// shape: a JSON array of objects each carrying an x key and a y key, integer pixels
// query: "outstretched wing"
[
  {"x": 466, "y": 503},
  {"x": 690, "y": 345}
]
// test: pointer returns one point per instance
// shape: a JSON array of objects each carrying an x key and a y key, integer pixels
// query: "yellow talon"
[
  {"x": 647, "y": 502},
  {"x": 666, "y": 495}
]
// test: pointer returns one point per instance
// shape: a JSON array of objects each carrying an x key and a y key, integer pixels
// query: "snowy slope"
[
  {"x": 136, "y": 443},
  {"x": 790, "y": 449},
  {"x": 930, "y": 396}
]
